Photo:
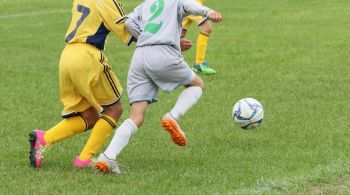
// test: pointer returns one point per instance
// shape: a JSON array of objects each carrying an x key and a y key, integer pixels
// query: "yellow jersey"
[{"x": 92, "y": 20}]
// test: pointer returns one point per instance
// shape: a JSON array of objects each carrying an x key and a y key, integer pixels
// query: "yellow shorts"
[
  {"x": 187, "y": 21},
  {"x": 86, "y": 80}
]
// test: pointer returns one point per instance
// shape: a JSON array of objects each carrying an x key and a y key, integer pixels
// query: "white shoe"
[{"x": 106, "y": 165}]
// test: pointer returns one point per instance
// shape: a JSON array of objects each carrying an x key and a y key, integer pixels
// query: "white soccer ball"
[{"x": 248, "y": 113}]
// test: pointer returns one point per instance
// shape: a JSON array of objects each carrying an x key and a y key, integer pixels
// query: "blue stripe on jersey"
[
  {"x": 99, "y": 38},
  {"x": 86, "y": 12}
]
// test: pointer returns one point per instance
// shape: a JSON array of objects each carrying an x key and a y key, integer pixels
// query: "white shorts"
[{"x": 153, "y": 67}]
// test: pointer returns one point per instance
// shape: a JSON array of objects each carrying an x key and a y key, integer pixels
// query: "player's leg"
[
  {"x": 127, "y": 129},
  {"x": 187, "y": 98},
  {"x": 68, "y": 127},
  {"x": 141, "y": 92},
  {"x": 202, "y": 41},
  {"x": 106, "y": 162},
  {"x": 186, "y": 24},
  {"x": 201, "y": 48},
  {"x": 169, "y": 77},
  {"x": 100, "y": 133},
  {"x": 107, "y": 93},
  {"x": 183, "y": 33},
  {"x": 71, "y": 126},
  {"x": 78, "y": 113}
]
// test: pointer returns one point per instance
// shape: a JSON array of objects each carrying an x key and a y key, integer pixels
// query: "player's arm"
[
  {"x": 191, "y": 7},
  {"x": 133, "y": 28},
  {"x": 133, "y": 22},
  {"x": 114, "y": 18}
]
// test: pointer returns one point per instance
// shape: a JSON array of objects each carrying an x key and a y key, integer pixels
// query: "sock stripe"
[
  {"x": 204, "y": 34},
  {"x": 109, "y": 121}
]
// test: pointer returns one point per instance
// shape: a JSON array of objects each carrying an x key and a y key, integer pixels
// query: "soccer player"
[
  {"x": 204, "y": 24},
  {"x": 89, "y": 90},
  {"x": 157, "y": 63}
]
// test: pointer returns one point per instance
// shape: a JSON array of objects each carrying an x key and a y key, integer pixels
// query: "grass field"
[{"x": 291, "y": 55}]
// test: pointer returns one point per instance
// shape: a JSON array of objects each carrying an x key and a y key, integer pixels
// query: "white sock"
[
  {"x": 185, "y": 101},
  {"x": 121, "y": 138}
]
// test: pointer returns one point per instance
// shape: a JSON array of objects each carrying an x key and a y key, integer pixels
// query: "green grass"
[{"x": 291, "y": 55}]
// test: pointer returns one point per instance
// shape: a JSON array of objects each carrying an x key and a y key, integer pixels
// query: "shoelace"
[
  {"x": 115, "y": 161},
  {"x": 124, "y": 166},
  {"x": 117, "y": 164},
  {"x": 173, "y": 117}
]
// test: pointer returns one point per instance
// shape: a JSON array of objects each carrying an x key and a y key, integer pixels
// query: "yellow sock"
[
  {"x": 202, "y": 43},
  {"x": 100, "y": 133},
  {"x": 65, "y": 129}
]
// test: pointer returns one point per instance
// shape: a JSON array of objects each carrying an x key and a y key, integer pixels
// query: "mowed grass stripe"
[{"x": 33, "y": 14}]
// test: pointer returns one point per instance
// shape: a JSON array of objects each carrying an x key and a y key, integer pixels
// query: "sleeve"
[
  {"x": 113, "y": 16},
  {"x": 133, "y": 22},
  {"x": 192, "y": 7}
]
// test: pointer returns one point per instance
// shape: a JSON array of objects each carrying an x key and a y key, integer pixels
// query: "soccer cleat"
[
  {"x": 203, "y": 68},
  {"x": 172, "y": 127},
  {"x": 106, "y": 165},
  {"x": 37, "y": 148},
  {"x": 78, "y": 163}
]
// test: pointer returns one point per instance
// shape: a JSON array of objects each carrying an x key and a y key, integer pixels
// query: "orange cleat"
[
  {"x": 106, "y": 165},
  {"x": 102, "y": 166},
  {"x": 172, "y": 127}
]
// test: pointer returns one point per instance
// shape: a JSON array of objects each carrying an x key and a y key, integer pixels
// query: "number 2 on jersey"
[
  {"x": 86, "y": 12},
  {"x": 156, "y": 9}
]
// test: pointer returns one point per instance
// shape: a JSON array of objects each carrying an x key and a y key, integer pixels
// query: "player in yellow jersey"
[
  {"x": 204, "y": 24},
  {"x": 89, "y": 90}
]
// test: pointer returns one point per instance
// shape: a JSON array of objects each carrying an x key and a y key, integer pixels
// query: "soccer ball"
[{"x": 248, "y": 113}]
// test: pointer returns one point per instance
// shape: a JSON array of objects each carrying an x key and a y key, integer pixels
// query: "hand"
[
  {"x": 185, "y": 44},
  {"x": 215, "y": 16}
]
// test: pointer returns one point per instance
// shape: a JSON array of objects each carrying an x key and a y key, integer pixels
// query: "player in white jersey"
[{"x": 157, "y": 63}]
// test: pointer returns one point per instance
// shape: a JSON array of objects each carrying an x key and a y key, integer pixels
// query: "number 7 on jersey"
[{"x": 86, "y": 12}]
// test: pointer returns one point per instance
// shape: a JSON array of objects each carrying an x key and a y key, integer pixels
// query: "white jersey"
[{"x": 159, "y": 22}]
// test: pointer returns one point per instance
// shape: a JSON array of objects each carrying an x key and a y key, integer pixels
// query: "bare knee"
[
  {"x": 137, "y": 112},
  {"x": 114, "y": 111},
  {"x": 200, "y": 83},
  {"x": 197, "y": 81},
  {"x": 206, "y": 28},
  {"x": 90, "y": 116}
]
